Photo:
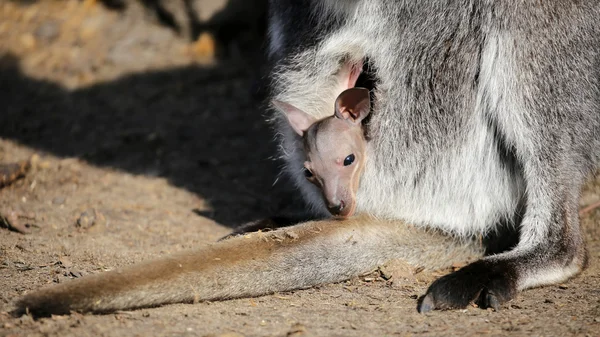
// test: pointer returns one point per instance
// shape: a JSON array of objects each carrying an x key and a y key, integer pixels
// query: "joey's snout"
[
  {"x": 337, "y": 208},
  {"x": 340, "y": 203},
  {"x": 342, "y": 209}
]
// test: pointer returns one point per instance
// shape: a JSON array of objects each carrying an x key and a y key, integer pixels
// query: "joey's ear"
[
  {"x": 299, "y": 120},
  {"x": 353, "y": 104}
]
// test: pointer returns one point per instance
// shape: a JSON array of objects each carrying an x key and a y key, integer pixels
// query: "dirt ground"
[{"x": 144, "y": 142}]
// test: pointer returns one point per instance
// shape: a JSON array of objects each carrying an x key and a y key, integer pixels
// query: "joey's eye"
[
  {"x": 307, "y": 173},
  {"x": 349, "y": 160}
]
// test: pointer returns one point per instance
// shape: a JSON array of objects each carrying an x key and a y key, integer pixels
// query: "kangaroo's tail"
[{"x": 254, "y": 264}]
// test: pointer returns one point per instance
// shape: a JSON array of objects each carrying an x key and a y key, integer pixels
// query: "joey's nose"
[{"x": 337, "y": 208}]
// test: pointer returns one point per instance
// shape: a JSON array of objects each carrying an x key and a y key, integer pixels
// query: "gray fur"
[{"x": 480, "y": 106}]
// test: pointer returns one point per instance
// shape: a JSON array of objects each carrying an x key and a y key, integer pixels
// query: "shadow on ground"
[{"x": 202, "y": 128}]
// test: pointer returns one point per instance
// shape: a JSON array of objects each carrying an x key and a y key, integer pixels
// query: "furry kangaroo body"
[{"x": 485, "y": 114}]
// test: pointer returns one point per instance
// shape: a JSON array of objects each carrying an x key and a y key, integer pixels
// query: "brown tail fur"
[{"x": 254, "y": 264}]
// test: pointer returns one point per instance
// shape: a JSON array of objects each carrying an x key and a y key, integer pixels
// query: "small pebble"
[
  {"x": 58, "y": 200},
  {"x": 385, "y": 274},
  {"x": 47, "y": 31},
  {"x": 65, "y": 262},
  {"x": 87, "y": 219}
]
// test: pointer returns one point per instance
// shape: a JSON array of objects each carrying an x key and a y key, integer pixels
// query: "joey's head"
[{"x": 335, "y": 148}]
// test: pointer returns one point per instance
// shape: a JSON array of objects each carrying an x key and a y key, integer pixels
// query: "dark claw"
[{"x": 492, "y": 301}]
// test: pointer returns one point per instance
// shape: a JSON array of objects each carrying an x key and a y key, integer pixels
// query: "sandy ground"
[{"x": 145, "y": 143}]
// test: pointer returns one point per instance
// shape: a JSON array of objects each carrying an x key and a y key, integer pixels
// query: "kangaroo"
[
  {"x": 485, "y": 116},
  {"x": 335, "y": 148}
]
